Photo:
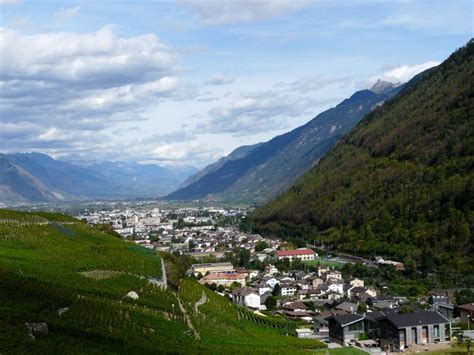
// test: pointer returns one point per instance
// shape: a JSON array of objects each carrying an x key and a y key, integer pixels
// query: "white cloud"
[
  {"x": 403, "y": 73},
  {"x": 234, "y": 11},
  {"x": 65, "y": 93}
]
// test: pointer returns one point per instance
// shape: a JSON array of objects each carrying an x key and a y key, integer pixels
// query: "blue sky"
[{"x": 187, "y": 81}]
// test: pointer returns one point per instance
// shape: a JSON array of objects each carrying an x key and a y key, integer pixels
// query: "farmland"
[{"x": 74, "y": 279}]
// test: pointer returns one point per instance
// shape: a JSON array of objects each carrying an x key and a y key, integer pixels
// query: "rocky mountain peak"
[{"x": 381, "y": 86}]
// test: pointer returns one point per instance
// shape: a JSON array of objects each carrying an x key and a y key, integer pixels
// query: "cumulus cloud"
[
  {"x": 403, "y": 73},
  {"x": 234, "y": 11},
  {"x": 62, "y": 90}
]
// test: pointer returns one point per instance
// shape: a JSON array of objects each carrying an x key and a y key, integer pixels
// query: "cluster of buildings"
[{"x": 338, "y": 309}]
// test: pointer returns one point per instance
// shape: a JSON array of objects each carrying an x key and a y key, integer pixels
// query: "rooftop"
[
  {"x": 294, "y": 252},
  {"x": 415, "y": 318}
]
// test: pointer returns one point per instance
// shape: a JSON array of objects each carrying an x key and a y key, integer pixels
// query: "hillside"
[
  {"x": 401, "y": 184},
  {"x": 68, "y": 283},
  {"x": 35, "y": 177},
  {"x": 273, "y": 166},
  {"x": 237, "y": 153}
]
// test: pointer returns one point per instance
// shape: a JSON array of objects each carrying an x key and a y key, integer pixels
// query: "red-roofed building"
[{"x": 302, "y": 254}]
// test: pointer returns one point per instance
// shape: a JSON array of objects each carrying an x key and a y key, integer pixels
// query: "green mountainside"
[
  {"x": 73, "y": 286},
  {"x": 401, "y": 184}
]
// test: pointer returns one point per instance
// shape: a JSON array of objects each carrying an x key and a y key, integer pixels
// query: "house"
[
  {"x": 348, "y": 307},
  {"x": 346, "y": 328},
  {"x": 295, "y": 306},
  {"x": 272, "y": 270},
  {"x": 224, "y": 279},
  {"x": 355, "y": 282},
  {"x": 302, "y": 254},
  {"x": 323, "y": 269},
  {"x": 333, "y": 275},
  {"x": 400, "y": 331},
  {"x": 264, "y": 289},
  {"x": 287, "y": 290},
  {"x": 445, "y": 309},
  {"x": 271, "y": 282},
  {"x": 203, "y": 269},
  {"x": 355, "y": 292},
  {"x": 316, "y": 281},
  {"x": 466, "y": 312},
  {"x": 336, "y": 286},
  {"x": 246, "y": 297}
]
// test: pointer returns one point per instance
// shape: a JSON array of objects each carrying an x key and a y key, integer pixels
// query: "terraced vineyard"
[
  {"x": 225, "y": 327},
  {"x": 69, "y": 283}
]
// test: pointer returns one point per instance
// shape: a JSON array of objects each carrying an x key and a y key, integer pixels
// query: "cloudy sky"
[{"x": 184, "y": 82}]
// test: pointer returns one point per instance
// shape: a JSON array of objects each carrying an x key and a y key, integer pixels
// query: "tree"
[
  {"x": 362, "y": 307},
  {"x": 261, "y": 246},
  {"x": 270, "y": 302},
  {"x": 220, "y": 288},
  {"x": 243, "y": 257},
  {"x": 276, "y": 290},
  {"x": 464, "y": 296}
]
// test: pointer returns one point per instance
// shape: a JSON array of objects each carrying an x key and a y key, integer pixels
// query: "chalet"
[
  {"x": 302, "y": 254},
  {"x": 400, "y": 331}
]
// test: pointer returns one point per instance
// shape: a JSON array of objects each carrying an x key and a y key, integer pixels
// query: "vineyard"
[
  {"x": 74, "y": 280},
  {"x": 226, "y": 327}
]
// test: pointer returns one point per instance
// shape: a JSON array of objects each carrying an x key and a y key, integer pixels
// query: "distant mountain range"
[
  {"x": 260, "y": 172},
  {"x": 35, "y": 177}
]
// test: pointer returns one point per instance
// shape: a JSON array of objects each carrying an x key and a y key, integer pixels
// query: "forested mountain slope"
[{"x": 401, "y": 184}]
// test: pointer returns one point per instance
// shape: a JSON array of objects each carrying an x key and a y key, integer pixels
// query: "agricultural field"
[{"x": 66, "y": 287}]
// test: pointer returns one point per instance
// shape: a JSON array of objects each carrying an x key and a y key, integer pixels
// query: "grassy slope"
[
  {"x": 401, "y": 184},
  {"x": 42, "y": 270}
]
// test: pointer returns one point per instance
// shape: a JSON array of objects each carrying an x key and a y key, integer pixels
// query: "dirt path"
[
  {"x": 201, "y": 301},
  {"x": 188, "y": 319}
]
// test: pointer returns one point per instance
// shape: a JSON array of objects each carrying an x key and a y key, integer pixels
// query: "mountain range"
[
  {"x": 260, "y": 172},
  {"x": 36, "y": 177},
  {"x": 401, "y": 184}
]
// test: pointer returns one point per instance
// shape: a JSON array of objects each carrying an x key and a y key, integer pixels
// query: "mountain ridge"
[
  {"x": 272, "y": 166},
  {"x": 37, "y": 177}
]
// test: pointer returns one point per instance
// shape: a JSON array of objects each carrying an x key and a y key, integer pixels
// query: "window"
[
  {"x": 436, "y": 330},
  {"x": 356, "y": 326}
]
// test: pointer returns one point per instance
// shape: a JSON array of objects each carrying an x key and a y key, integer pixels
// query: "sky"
[{"x": 185, "y": 82}]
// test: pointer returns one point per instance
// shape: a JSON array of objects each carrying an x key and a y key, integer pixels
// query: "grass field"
[
  {"x": 57, "y": 271},
  {"x": 334, "y": 264}
]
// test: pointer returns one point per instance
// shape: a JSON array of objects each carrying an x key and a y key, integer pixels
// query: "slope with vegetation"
[
  {"x": 400, "y": 185},
  {"x": 257, "y": 173},
  {"x": 66, "y": 287}
]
